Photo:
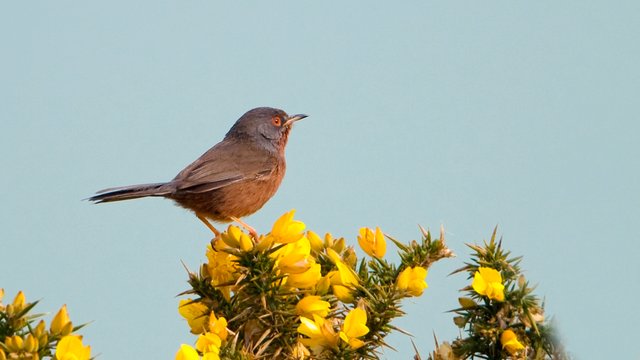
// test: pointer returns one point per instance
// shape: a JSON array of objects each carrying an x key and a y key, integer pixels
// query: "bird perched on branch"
[{"x": 233, "y": 179}]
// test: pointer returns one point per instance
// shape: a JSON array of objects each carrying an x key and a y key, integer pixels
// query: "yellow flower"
[
  {"x": 488, "y": 282},
  {"x": 355, "y": 326},
  {"x": 187, "y": 352},
  {"x": 237, "y": 239},
  {"x": 320, "y": 333},
  {"x": 14, "y": 343},
  {"x": 328, "y": 240},
  {"x": 349, "y": 257},
  {"x": 17, "y": 344},
  {"x": 218, "y": 326},
  {"x": 510, "y": 342},
  {"x": 312, "y": 304},
  {"x": 412, "y": 280},
  {"x": 307, "y": 279},
  {"x": 222, "y": 269},
  {"x": 70, "y": 347},
  {"x": 3, "y": 356},
  {"x": 212, "y": 355},
  {"x": 286, "y": 230},
  {"x": 264, "y": 242},
  {"x": 317, "y": 244},
  {"x": 61, "y": 324},
  {"x": 195, "y": 313},
  {"x": 208, "y": 342},
  {"x": 343, "y": 280},
  {"x": 294, "y": 258},
  {"x": 18, "y": 303},
  {"x": 372, "y": 243},
  {"x": 19, "y": 300},
  {"x": 295, "y": 261},
  {"x": 345, "y": 275},
  {"x": 343, "y": 293},
  {"x": 323, "y": 285}
]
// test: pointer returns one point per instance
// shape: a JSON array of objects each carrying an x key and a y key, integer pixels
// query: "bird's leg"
[
  {"x": 208, "y": 224},
  {"x": 246, "y": 226}
]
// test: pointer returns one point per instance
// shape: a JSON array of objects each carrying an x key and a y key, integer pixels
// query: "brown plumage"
[{"x": 235, "y": 178}]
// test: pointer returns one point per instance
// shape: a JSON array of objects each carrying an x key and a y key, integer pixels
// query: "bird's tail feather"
[{"x": 130, "y": 192}]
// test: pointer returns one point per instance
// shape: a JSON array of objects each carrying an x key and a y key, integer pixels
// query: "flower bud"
[
  {"x": 60, "y": 322},
  {"x": 30, "y": 344},
  {"x": 339, "y": 245},
  {"x": 316, "y": 242},
  {"x": 459, "y": 321},
  {"x": 14, "y": 343},
  {"x": 350, "y": 257},
  {"x": 467, "y": 303},
  {"x": 322, "y": 286},
  {"x": 40, "y": 328},
  {"x": 18, "y": 302},
  {"x": 328, "y": 240}
]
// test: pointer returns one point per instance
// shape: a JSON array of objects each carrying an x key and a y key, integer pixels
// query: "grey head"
[{"x": 268, "y": 127}]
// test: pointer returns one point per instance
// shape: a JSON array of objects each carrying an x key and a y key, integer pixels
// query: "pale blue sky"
[{"x": 462, "y": 113}]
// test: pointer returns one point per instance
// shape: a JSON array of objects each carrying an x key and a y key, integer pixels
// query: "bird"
[{"x": 231, "y": 180}]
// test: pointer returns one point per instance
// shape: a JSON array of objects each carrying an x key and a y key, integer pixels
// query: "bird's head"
[{"x": 267, "y": 126}]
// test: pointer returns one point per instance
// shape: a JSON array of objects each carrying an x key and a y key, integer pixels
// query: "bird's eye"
[{"x": 276, "y": 121}]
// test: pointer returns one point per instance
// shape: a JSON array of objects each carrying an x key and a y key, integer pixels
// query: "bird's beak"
[{"x": 294, "y": 118}]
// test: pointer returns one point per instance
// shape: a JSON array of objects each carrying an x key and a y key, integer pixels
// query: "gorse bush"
[
  {"x": 500, "y": 316},
  {"x": 21, "y": 338},
  {"x": 293, "y": 294}
]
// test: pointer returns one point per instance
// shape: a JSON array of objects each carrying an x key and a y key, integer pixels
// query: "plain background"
[{"x": 463, "y": 113}]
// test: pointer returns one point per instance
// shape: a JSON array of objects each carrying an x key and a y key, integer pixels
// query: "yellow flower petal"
[
  {"x": 308, "y": 327},
  {"x": 354, "y": 326},
  {"x": 345, "y": 276},
  {"x": 412, "y": 280},
  {"x": 490, "y": 275},
  {"x": 286, "y": 230},
  {"x": 307, "y": 279},
  {"x": 319, "y": 332},
  {"x": 70, "y": 347},
  {"x": 343, "y": 293},
  {"x": 312, "y": 304},
  {"x": 218, "y": 326},
  {"x": 195, "y": 313},
  {"x": 211, "y": 356},
  {"x": 488, "y": 282},
  {"x": 355, "y": 323},
  {"x": 222, "y": 269},
  {"x": 208, "y": 342},
  {"x": 18, "y": 302},
  {"x": 374, "y": 244},
  {"x": 186, "y": 352},
  {"x": 317, "y": 244},
  {"x": 234, "y": 237},
  {"x": 61, "y": 324},
  {"x": 294, "y": 258},
  {"x": 510, "y": 342}
]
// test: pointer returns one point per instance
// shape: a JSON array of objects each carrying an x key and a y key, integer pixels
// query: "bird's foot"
[
  {"x": 251, "y": 230},
  {"x": 208, "y": 224}
]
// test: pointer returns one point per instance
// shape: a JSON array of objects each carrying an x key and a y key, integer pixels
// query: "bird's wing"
[{"x": 222, "y": 165}]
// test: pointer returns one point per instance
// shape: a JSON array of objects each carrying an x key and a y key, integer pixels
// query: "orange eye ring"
[{"x": 276, "y": 121}]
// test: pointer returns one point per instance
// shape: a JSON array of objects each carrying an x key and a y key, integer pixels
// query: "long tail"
[{"x": 130, "y": 192}]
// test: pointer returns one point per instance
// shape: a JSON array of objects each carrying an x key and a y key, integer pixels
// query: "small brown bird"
[{"x": 235, "y": 178}]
